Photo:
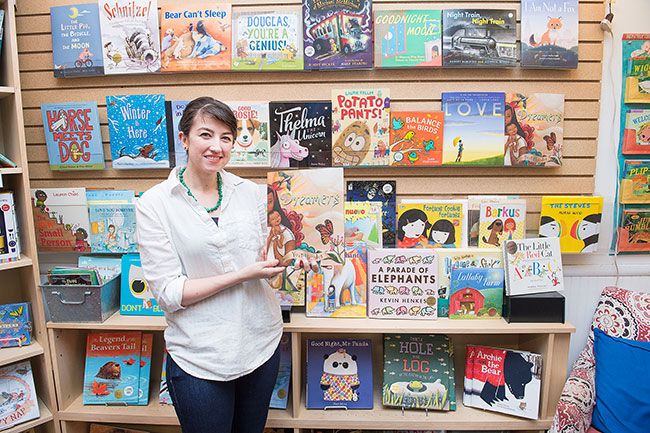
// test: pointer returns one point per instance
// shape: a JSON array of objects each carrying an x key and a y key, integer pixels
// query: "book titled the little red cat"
[{"x": 112, "y": 374}]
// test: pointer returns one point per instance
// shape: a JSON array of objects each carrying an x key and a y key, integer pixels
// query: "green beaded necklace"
[{"x": 219, "y": 189}]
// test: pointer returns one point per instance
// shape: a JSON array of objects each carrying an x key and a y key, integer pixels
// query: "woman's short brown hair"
[{"x": 207, "y": 106}]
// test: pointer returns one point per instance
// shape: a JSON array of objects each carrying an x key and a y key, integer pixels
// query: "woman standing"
[{"x": 201, "y": 236}]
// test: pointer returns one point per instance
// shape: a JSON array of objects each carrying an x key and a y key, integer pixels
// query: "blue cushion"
[{"x": 622, "y": 384}]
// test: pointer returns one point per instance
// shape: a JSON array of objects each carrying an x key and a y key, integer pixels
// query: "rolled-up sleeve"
[{"x": 160, "y": 262}]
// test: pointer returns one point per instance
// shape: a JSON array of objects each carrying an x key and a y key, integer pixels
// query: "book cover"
[
  {"x": 337, "y": 34},
  {"x": 408, "y": 38},
  {"x": 73, "y": 136},
  {"x": 363, "y": 223},
  {"x": 534, "y": 130},
  {"x": 138, "y": 130},
  {"x": 636, "y": 137},
  {"x": 15, "y": 325},
  {"x": 61, "y": 219},
  {"x": 461, "y": 258},
  {"x": 164, "y": 397},
  {"x": 6, "y": 162},
  {"x": 195, "y": 36},
  {"x": 360, "y": 127},
  {"x": 9, "y": 239},
  {"x": 506, "y": 381},
  {"x": 468, "y": 375},
  {"x": 301, "y": 133},
  {"x": 533, "y": 266},
  {"x": 575, "y": 220},
  {"x": 549, "y": 34},
  {"x": 418, "y": 372},
  {"x": 635, "y": 181},
  {"x": 129, "y": 36},
  {"x": 384, "y": 192},
  {"x": 112, "y": 228},
  {"x": 305, "y": 219},
  {"x": 346, "y": 293},
  {"x": 474, "y": 213},
  {"x": 76, "y": 41},
  {"x": 476, "y": 293},
  {"x": 416, "y": 138},
  {"x": 106, "y": 267},
  {"x": 634, "y": 231},
  {"x": 145, "y": 368},
  {"x": 637, "y": 65},
  {"x": 479, "y": 37},
  {"x": 432, "y": 223},
  {"x": 268, "y": 40},
  {"x": 402, "y": 283},
  {"x": 98, "y": 428},
  {"x": 499, "y": 222},
  {"x": 65, "y": 276},
  {"x": 339, "y": 374},
  {"x": 252, "y": 144},
  {"x": 174, "y": 115},
  {"x": 473, "y": 129},
  {"x": 280, "y": 396},
  {"x": 19, "y": 402},
  {"x": 112, "y": 372},
  {"x": 136, "y": 298}
]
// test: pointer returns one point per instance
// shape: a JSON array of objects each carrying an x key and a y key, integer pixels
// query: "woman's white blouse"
[{"x": 235, "y": 331}]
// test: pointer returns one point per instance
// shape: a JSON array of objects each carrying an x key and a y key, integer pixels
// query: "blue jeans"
[{"x": 236, "y": 406}]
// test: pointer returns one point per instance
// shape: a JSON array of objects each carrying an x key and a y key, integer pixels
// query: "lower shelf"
[
  {"x": 46, "y": 416},
  {"x": 9, "y": 355}
]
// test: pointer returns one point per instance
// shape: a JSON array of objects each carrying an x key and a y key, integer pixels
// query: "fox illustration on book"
[{"x": 550, "y": 36}]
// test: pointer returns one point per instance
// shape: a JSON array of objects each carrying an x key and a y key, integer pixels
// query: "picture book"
[
  {"x": 636, "y": 137},
  {"x": 479, "y": 37},
  {"x": 73, "y": 136},
  {"x": 473, "y": 129},
  {"x": 534, "y": 130},
  {"x": 339, "y": 374},
  {"x": 476, "y": 293},
  {"x": 6, "y": 162},
  {"x": 280, "y": 396},
  {"x": 363, "y": 223},
  {"x": 305, "y": 220},
  {"x": 634, "y": 231},
  {"x": 461, "y": 258},
  {"x": 384, "y": 192},
  {"x": 408, "y": 38},
  {"x": 174, "y": 114},
  {"x": 76, "y": 40},
  {"x": 301, "y": 133},
  {"x": 549, "y": 34},
  {"x": 267, "y": 39},
  {"x": 337, "y": 34},
  {"x": 71, "y": 276},
  {"x": 107, "y": 267},
  {"x": 9, "y": 239},
  {"x": 533, "y": 266},
  {"x": 112, "y": 372},
  {"x": 416, "y": 138},
  {"x": 474, "y": 213},
  {"x": 635, "y": 181},
  {"x": 164, "y": 397},
  {"x": 418, "y": 372},
  {"x": 195, "y": 36},
  {"x": 145, "y": 368},
  {"x": 129, "y": 36},
  {"x": 15, "y": 325},
  {"x": 432, "y": 223},
  {"x": 112, "y": 228},
  {"x": 402, "y": 283},
  {"x": 252, "y": 144},
  {"x": 575, "y": 220},
  {"x": 346, "y": 294},
  {"x": 61, "y": 219},
  {"x": 637, "y": 65},
  {"x": 360, "y": 127},
  {"x": 138, "y": 131},
  {"x": 19, "y": 402},
  {"x": 98, "y": 428},
  {"x": 506, "y": 381},
  {"x": 136, "y": 298},
  {"x": 499, "y": 222}
]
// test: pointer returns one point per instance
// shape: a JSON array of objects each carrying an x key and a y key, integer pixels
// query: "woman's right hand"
[{"x": 262, "y": 269}]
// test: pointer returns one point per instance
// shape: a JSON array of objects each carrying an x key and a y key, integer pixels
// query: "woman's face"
[
  {"x": 208, "y": 144},
  {"x": 439, "y": 237},
  {"x": 511, "y": 130},
  {"x": 414, "y": 229}
]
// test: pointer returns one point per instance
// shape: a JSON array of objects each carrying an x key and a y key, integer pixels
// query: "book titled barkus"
[
  {"x": 575, "y": 220},
  {"x": 416, "y": 138},
  {"x": 636, "y": 137},
  {"x": 479, "y": 38},
  {"x": 500, "y": 221},
  {"x": 533, "y": 265}
]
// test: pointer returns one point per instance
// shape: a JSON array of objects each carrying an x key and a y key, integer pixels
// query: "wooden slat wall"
[{"x": 409, "y": 89}]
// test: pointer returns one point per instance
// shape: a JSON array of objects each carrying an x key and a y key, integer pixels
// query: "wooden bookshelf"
[{"x": 9, "y": 355}]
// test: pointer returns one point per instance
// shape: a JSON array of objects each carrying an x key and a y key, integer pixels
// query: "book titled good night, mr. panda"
[{"x": 339, "y": 374}]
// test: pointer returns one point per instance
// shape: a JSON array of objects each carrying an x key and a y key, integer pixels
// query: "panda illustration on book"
[{"x": 340, "y": 379}]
